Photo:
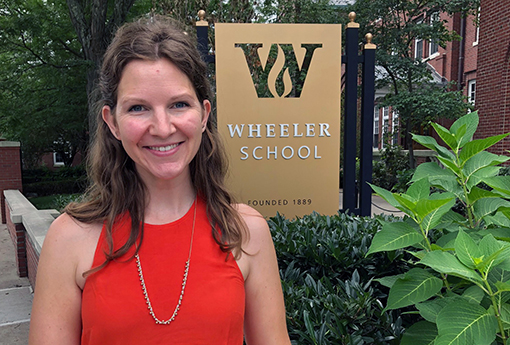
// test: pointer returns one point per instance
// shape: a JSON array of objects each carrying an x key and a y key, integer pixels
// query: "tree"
[
  {"x": 95, "y": 22},
  {"x": 395, "y": 25},
  {"x": 42, "y": 74}
]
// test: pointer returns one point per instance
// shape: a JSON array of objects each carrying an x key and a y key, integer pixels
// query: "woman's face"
[{"x": 158, "y": 118}]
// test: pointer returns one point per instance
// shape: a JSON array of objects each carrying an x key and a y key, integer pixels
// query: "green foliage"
[
  {"x": 416, "y": 92},
  {"x": 44, "y": 182},
  {"x": 392, "y": 171},
  {"x": 328, "y": 283},
  {"x": 57, "y": 202},
  {"x": 460, "y": 281},
  {"x": 42, "y": 73}
]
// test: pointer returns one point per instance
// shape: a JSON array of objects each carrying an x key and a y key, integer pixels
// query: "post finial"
[
  {"x": 201, "y": 17},
  {"x": 352, "y": 23},
  {"x": 369, "y": 44}
]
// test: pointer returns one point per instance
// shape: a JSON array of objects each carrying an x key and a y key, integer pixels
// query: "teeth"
[{"x": 163, "y": 148}]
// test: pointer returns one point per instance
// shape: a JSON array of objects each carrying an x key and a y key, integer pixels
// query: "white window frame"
[
  {"x": 385, "y": 125},
  {"x": 394, "y": 127},
  {"x": 375, "y": 136},
  {"x": 418, "y": 41},
  {"x": 433, "y": 18},
  {"x": 56, "y": 162},
  {"x": 471, "y": 91},
  {"x": 477, "y": 29}
]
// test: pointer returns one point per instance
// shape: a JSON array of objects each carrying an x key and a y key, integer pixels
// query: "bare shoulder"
[
  {"x": 67, "y": 252},
  {"x": 257, "y": 226},
  {"x": 72, "y": 241},
  {"x": 66, "y": 231}
]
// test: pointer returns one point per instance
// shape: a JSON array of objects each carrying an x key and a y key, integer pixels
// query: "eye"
[
  {"x": 136, "y": 108},
  {"x": 179, "y": 105}
]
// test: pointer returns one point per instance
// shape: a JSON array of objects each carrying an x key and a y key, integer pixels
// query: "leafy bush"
[
  {"x": 328, "y": 283},
  {"x": 460, "y": 279},
  {"x": 392, "y": 172},
  {"x": 65, "y": 180}
]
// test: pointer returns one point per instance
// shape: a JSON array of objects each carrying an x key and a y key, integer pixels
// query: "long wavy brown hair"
[{"x": 116, "y": 187}]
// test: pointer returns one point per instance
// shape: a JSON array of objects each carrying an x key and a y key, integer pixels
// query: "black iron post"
[
  {"x": 351, "y": 101},
  {"x": 367, "y": 123},
  {"x": 202, "y": 27}
]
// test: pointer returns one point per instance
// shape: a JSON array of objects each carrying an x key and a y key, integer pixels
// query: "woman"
[{"x": 157, "y": 253}]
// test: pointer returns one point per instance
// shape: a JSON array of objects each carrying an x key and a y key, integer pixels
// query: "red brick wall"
[
  {"x": 32, "y": 262},
  {"x": 17, "y": 233},
  {"x": 10, "y": 172},
  {"x": 493, "y": 74}
]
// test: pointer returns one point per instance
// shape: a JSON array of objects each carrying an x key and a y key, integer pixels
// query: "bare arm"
[
  {"x": 56, "y": 311},
  {"x": 265, "y": 322}
]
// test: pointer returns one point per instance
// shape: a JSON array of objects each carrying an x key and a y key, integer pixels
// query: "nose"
[{"x": 162, "y": 123}]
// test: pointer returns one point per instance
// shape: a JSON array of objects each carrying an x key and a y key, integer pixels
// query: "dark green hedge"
[
  {"x": 328, "y": 283},
  {"x": 65, "y": 180}
]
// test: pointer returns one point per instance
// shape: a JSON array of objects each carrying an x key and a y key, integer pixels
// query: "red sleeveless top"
[{"x": 114, "y": 310}]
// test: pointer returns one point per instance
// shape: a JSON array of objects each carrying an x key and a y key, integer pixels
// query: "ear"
[
  {"x": 205, "y": 114},
  {"x": 109, "y": 118}
]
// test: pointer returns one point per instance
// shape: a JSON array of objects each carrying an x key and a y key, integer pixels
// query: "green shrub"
[
  {"x": 328, "y": 283},
  {"x": 65, "y": 180},
  {"x": 459, "y": 282},
  {"x": 392, "y": 172}
]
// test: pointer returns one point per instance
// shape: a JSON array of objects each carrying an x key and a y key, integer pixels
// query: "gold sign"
[{"x": 278, "y": 95}]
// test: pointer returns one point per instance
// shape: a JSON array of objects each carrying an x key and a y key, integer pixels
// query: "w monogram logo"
[{"x": 281, "y": 75}]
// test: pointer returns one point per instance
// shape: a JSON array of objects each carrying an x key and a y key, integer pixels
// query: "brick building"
[
  {"x": 493, "y": 72},
  {"x": 479, "y": 64}
]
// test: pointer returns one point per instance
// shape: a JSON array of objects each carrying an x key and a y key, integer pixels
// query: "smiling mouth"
[{"x": 163, "y": 148}]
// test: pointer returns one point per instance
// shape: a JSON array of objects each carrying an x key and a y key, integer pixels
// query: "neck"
[{"x": 168, "y": 200}]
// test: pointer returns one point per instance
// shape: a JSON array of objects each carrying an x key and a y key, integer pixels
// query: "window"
[
  {"x": 472, "y": 91},
  {"x": 418, "y": 48},
  {"x": 433, "y": 44},
  {"x": 386, "y": 125},
  {"x": 477, "y": 29},
  {"x": 58, "y": 160},
  {"x": 375, "y": 142},
  {"x": 394, "y": 128}
]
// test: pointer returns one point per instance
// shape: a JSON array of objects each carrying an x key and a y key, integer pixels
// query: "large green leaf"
[
  {"x": 446, "y": 136},
  {"x": 432, "y": 144},
  {"x": 417, "y": 286},
  {"x": 470, "y": 123},
  {"x": 385, "y": 194},
  {"x": 405, "y": 203},
  {"x": 464, "y": 323},
  {"x": 498, "y": 233},
  {"x": 474, "y": 294},
  {"x": 493, "y": 251},
  {"x": 451, "y": 164},
  {"x": 420, "y": 333},
  {"x": 389, "y": 280},
  {"x": 505, "y": 315},
  {"x": 445, "y": 262},
  {"x": 394, "y": 236},
  {"x": 467, "y": 250},
  {"x": 479, "y": 193},
  {"x": 433, "y": 218},
  {"x": 473, "y": 147},
  {"x": 482, "y": 160},
  {"x": 481, "y": 175},
  {"x": 499, "y": 275},
  {"x": 486, "y": 206},
  {"x": 420, "y": 189},
  {"x": 499, "y": 183},
  {"x": 430, "y": 309},
  {"x": 433, "y": 172},
  {"x": 426, "y": 206}
]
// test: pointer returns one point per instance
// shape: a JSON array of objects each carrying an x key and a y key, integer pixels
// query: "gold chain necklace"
[{"x": 184, "y": 279}]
